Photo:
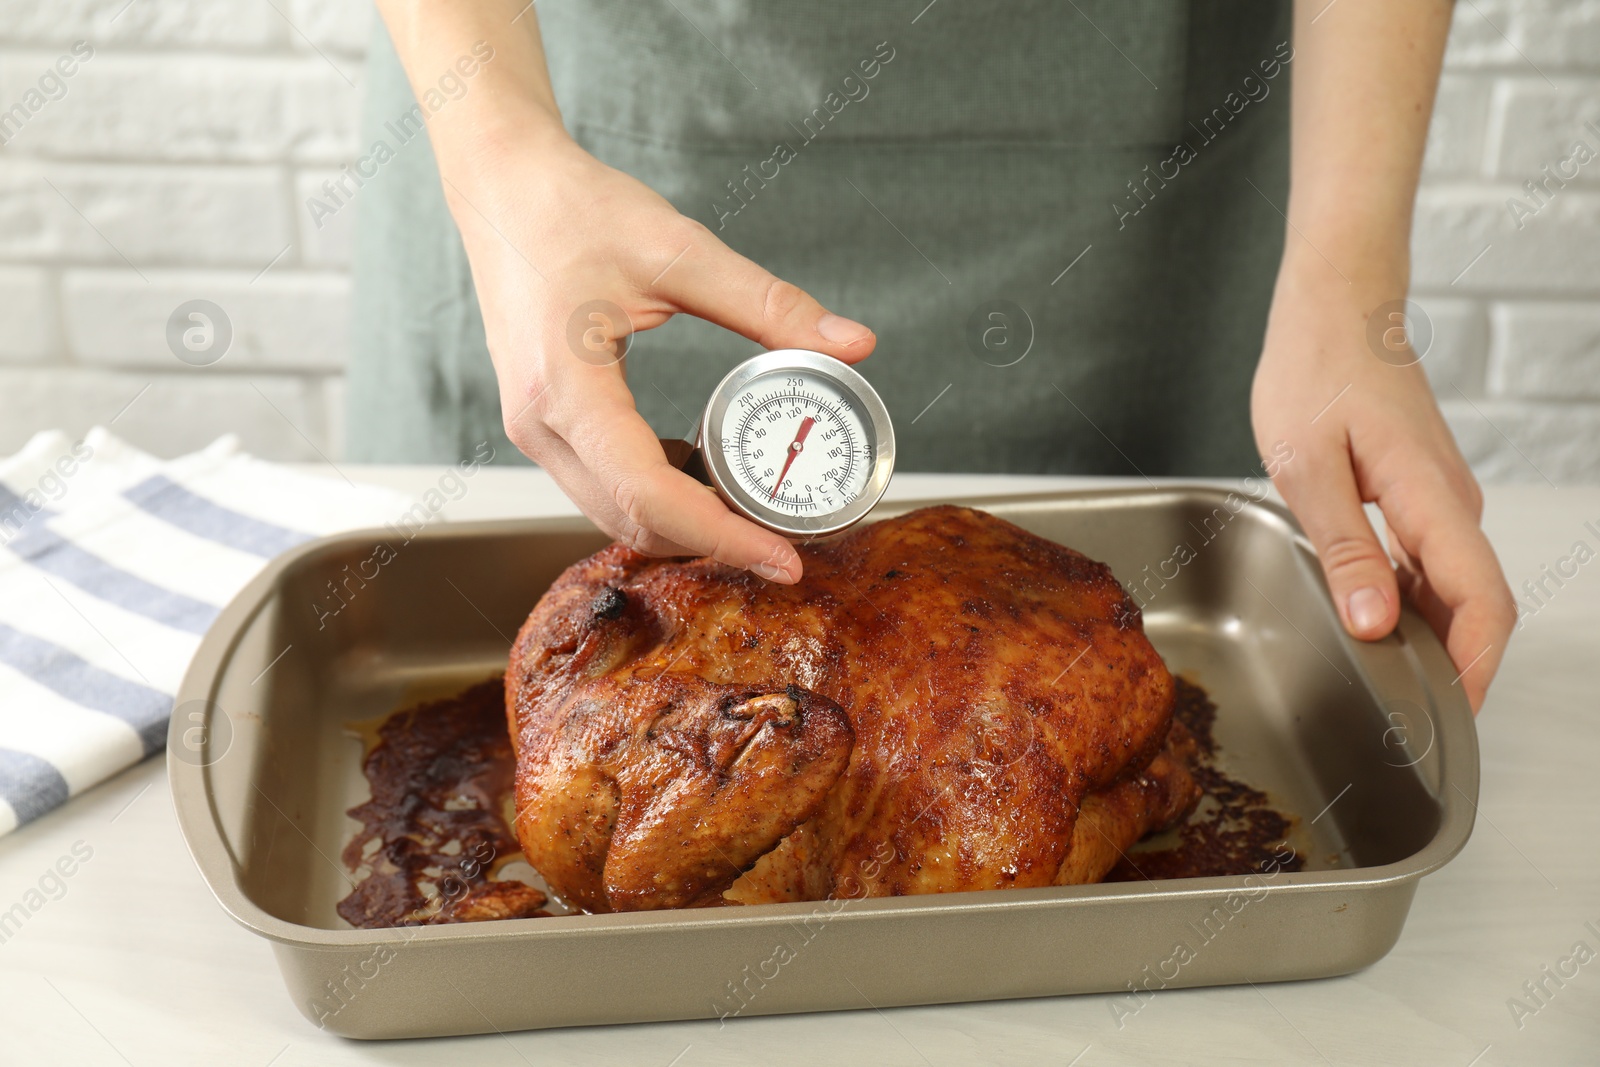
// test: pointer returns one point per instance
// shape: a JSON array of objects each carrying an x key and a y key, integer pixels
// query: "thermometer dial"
[{"x": 798, "y": 442}]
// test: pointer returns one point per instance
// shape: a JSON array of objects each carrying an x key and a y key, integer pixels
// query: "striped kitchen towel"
[{"x": 112, "y": 565}]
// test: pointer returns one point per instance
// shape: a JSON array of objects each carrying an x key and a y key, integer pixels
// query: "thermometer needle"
[{"x": 794, "y": 450}]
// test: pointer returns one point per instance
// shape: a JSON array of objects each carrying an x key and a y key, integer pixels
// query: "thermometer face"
[{"x": 799, "y": 442}]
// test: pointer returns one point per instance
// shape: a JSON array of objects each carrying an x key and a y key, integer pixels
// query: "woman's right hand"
[{"x": 570, "y": 257}]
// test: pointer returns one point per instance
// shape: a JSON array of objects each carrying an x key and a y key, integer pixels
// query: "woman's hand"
[
  {"x": 569, "y": 258},
  {"x": 1365, "y": 429}
]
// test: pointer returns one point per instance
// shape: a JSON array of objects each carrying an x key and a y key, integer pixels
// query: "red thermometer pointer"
[{"x": 794, "y": 450}]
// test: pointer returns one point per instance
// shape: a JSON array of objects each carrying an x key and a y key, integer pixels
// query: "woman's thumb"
[{"x": 1359, "y": 571}]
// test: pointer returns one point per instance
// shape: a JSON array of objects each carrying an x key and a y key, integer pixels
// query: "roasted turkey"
[{"x": 944, "y": 702}]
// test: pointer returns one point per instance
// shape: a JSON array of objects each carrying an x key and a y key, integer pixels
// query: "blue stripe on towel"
[
  {"x": 174, "y": 504},
  {"x": 65, "y": 672},
  {"x": 32, "y": 786},
  {"x": 54, "y": 554},
  {"x": 16, "y": 513}
]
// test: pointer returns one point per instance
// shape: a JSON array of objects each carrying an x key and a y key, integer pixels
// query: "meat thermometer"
[{"x": 795, "y": 441}]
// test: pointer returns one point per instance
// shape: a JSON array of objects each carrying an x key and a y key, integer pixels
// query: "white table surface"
[{"x": 137, "y": 964}]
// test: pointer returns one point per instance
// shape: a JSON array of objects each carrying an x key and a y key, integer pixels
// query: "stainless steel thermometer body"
[{"x": 796, "y": 441}]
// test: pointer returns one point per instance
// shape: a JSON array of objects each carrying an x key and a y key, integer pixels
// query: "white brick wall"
[
  {"x": 173, "y": 169},
  {"x": 177, "y": 164},
  {"x": 1516, "y": 357}
]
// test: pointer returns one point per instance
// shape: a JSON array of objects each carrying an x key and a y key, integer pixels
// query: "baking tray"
[{"x": 1371, "y": 746}]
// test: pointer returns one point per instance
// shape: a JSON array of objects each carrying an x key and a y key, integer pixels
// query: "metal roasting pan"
[{"x": 1372, "y": 746}]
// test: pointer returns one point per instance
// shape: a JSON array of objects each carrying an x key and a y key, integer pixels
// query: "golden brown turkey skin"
[{"x": 925, "y": 712}]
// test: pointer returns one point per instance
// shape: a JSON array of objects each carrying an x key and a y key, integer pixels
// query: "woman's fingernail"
[
  {"x": 840, "y": 330},
  {"x": 780, "y": 566},
  {"x": 1367, "y": 609},
  {"x": 769, "y": 571}
]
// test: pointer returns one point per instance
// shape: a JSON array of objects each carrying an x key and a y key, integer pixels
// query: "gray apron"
[{"x": 1060, "y": 219}]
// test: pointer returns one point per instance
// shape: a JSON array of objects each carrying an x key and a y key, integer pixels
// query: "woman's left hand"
[{"x": 1366, "y": 429}]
